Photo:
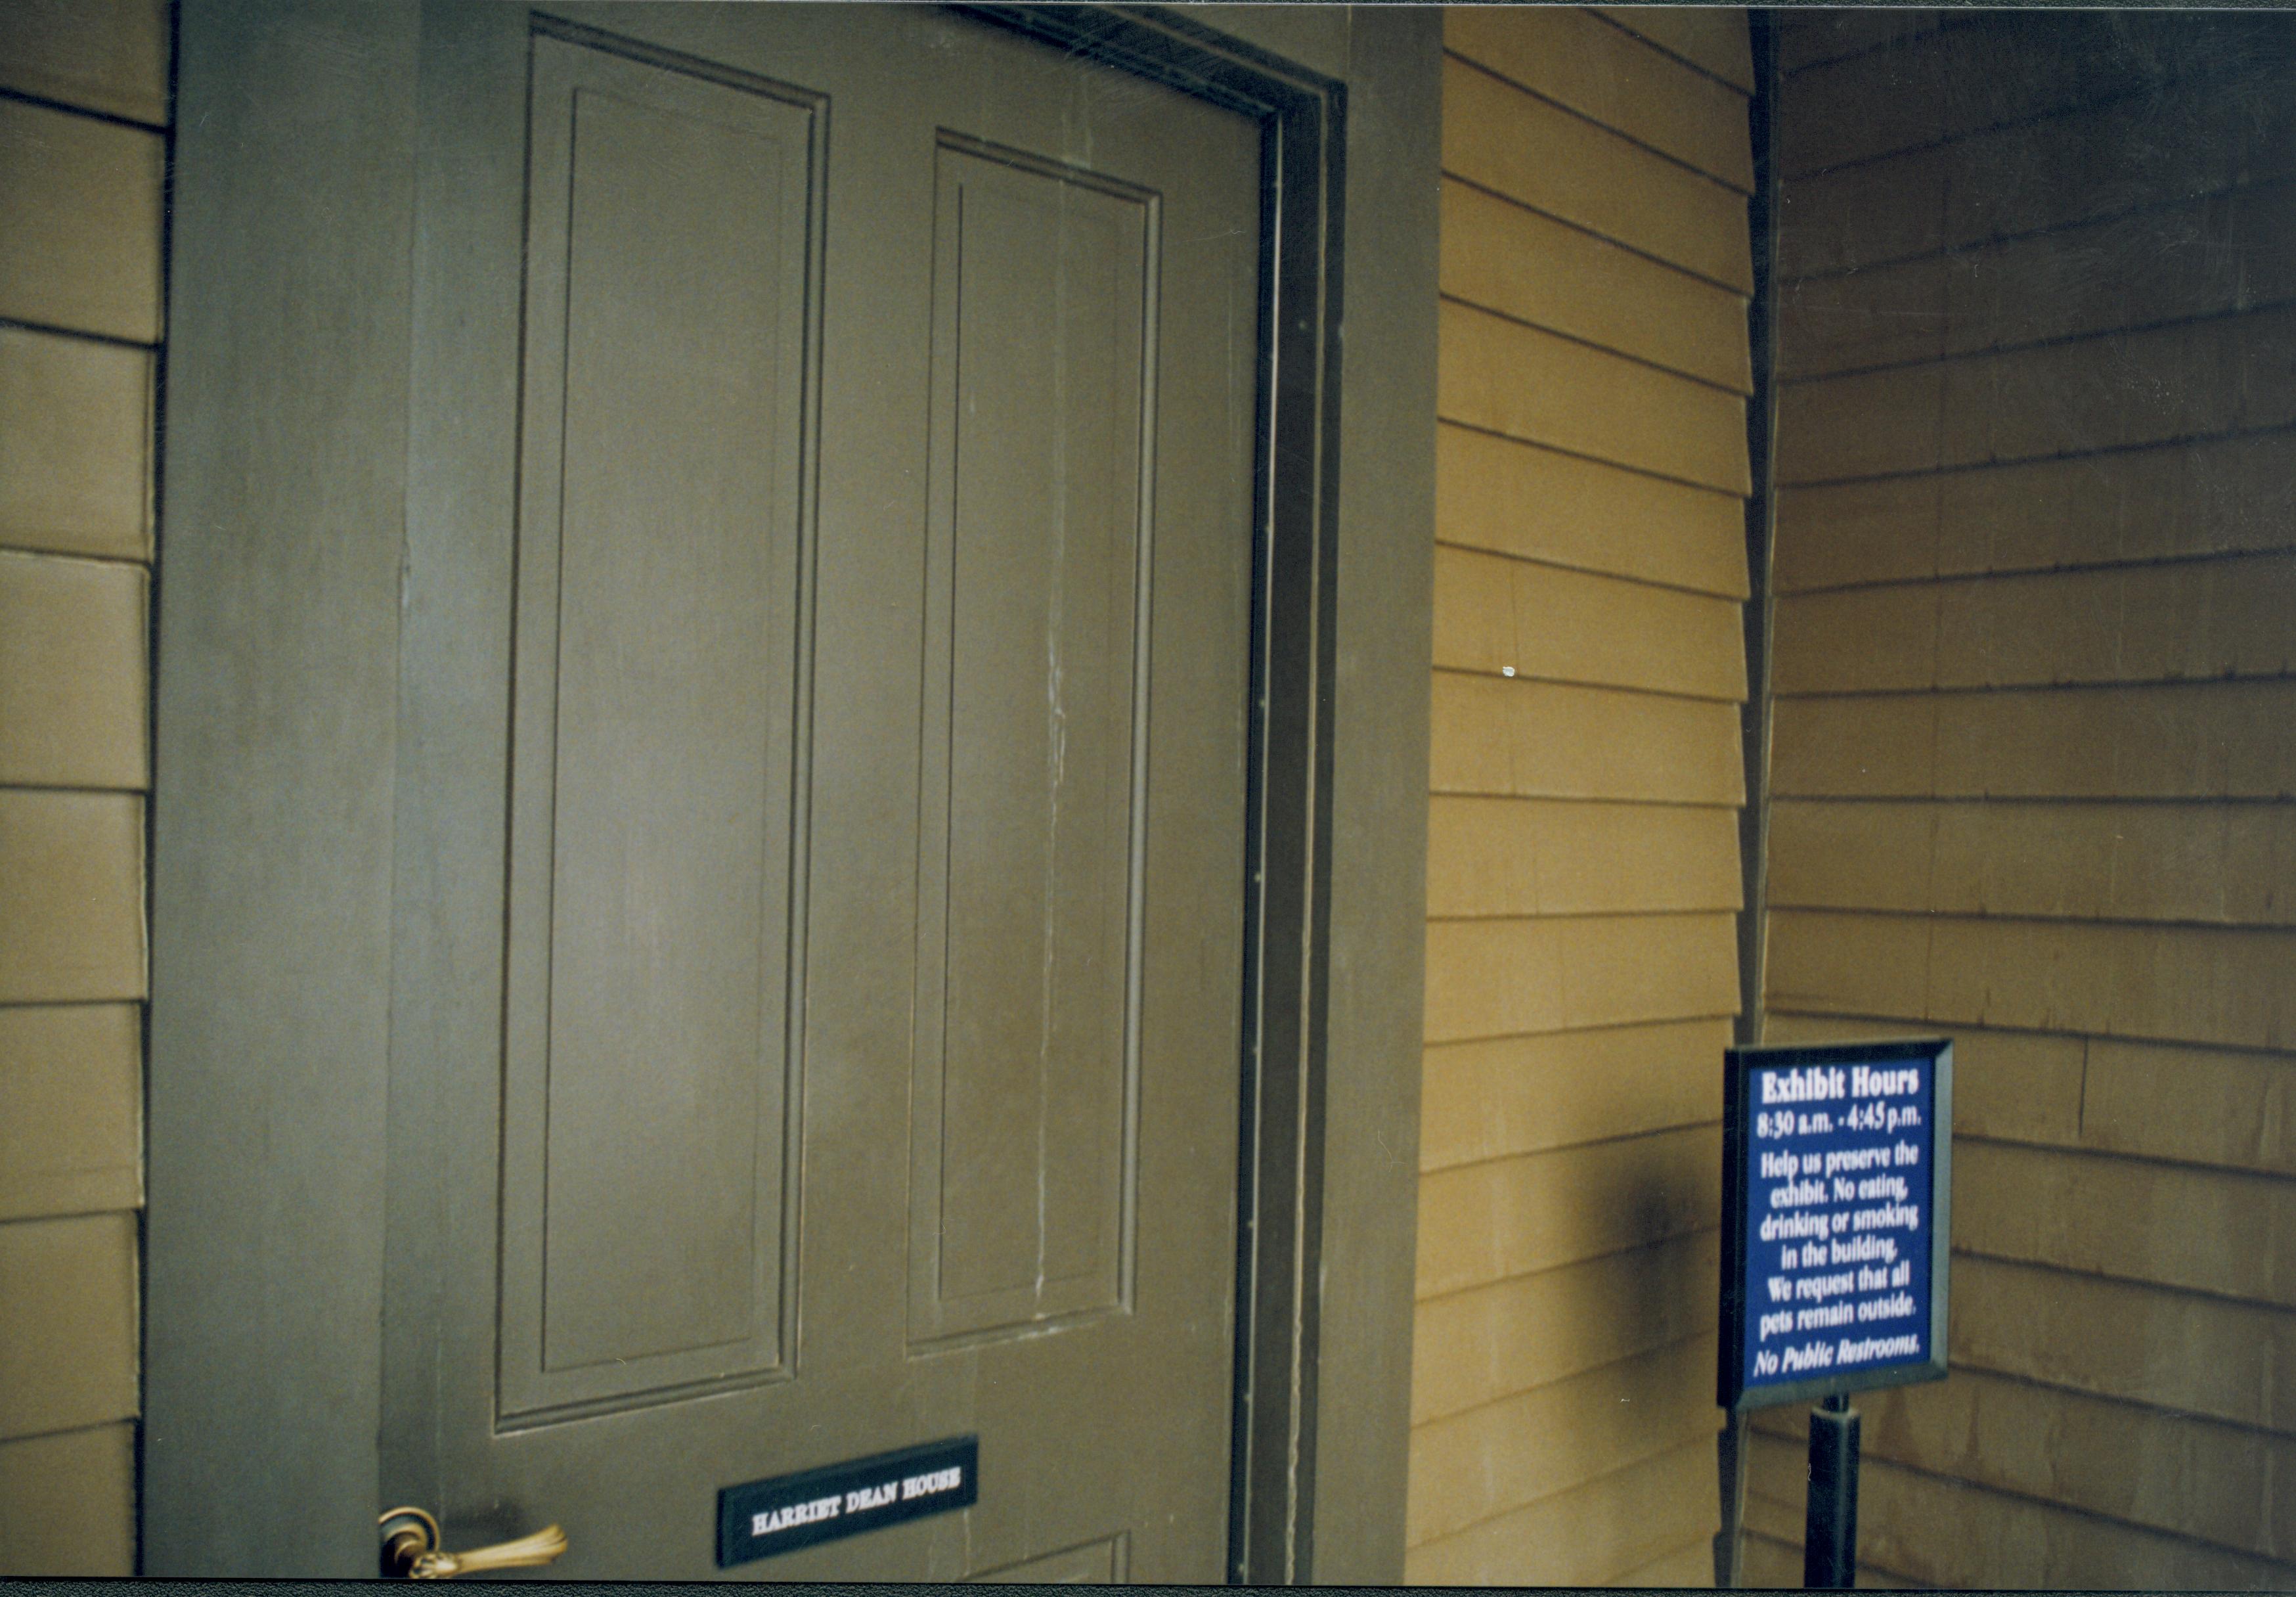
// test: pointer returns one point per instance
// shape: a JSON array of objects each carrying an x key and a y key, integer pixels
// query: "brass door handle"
[{"x": 411, "y": 1551}]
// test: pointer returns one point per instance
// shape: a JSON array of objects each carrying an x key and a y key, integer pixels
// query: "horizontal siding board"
[
  {"x": 2224, "y": 988},
  {"x": 73, "y": 669},
  {"x": 1813, "y": 37},
  {"x": 2170, "y": 1472},
  {"x": 2233, "y": 1361},
  {"x": 80, "y": 222},
  {"x": 2233, "y": 1110},
  {"x": 2202, "y": 1230},
  {"x": 2231, "y": 617},
  {"x": 1487, "y": 1222},
  {"x": 74, "y": 446},
  {"x": 1501, "y": 1096},
  {"x": 1540, "y": 388},
  {"x": 2237, "y": 1110},
  {"x": 1552, "y": 740},
  {"x": 1514, "y": 857},
  {"x": 2220, "y": 496},
  {"x": 1713, "y": 39},
  {"x": 2214, "y": 255},
  {"x": 67, "y": 1503},
  {"x": 68, "y": 1300},
  {"x": 1501, "y": 257},
  {"x": 1515, "y": 498},
  {"x": 1475, "y": 1466},
  {"x": 1494, "y": 615},
  {"x": 1945, "y": 1533},
  {"x": 1502, "y": 978},
  {"x": 1611, "y": 77},
  {"x": 1497, "y": 137},
  {"x": 1885, "y": 315},
  {"x": 71, "y": 1109},
  {"x": 1869, "y": 424},
  {"x": 2179, "y": 741},
  {"x": 1692, "y": 1564},
  {"x": 102, "y": 55},
  {"x": 2113, "y": 157},
  {"x": 1475, "y": 1348},
  {"x": 2232, "y": 864},
  {"x": 72, "y": 896},
  {"x": 1864, "y": 215},
  {"x": 1587, "y": 1535}
]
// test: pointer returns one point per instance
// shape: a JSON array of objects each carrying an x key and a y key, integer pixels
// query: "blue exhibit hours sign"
[{"x": 1837, "y": 1174}]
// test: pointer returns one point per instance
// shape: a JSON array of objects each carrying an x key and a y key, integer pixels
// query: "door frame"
[{"x": 278, "y": 623}]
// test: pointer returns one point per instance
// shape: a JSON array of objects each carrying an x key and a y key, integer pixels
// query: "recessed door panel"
[
  {"x": 1036, "y": 677},
  {"x": 647, "y": 1050}
]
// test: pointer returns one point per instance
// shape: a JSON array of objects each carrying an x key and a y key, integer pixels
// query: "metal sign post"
[{"x": 1837, "y": 1177}]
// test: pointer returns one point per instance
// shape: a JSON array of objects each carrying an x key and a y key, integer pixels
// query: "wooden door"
[{"x": 818, "y": 951}]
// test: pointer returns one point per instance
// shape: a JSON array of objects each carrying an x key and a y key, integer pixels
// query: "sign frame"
[{"x": 1740, "y": 1064}]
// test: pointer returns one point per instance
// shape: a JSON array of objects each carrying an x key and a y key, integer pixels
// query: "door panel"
[
  {"x": 647, "y": 1039},
  {"x": 854, "y": 415},
  {"x": 1043, "y": 317}
]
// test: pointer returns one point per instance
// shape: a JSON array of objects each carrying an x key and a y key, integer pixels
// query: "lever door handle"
[{"x": 411, "y": 1551}]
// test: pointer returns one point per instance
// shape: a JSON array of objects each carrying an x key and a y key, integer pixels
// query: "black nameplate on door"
[{"x": 765, "y": 1517}]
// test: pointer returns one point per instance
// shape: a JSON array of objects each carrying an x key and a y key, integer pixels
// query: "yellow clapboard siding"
[
  {"x": 67, "y": 1503},
  {"x": 1809, "y": 38},
  {"x": 2142, "y": 1343},
  {"x": 102, "y": 55},
  {"x": 1887, "y": 316},
  {"x": 2022, "y": 1086},
  {"x": 2158, "y": 503},
  {"x": 73, "y": 670},
  {"x": 80, "y": 222},
  {"x": 1713, "y": 38},
  {"x": 2229, "y": 863},
  {"x": 1945, "y": 1533},
  {"x": 1866, "y": 425},
  {"x": 71, "y": 1109},
  {"x": 1540, "y": 388},
  {"x": 72, "y": 896},
  {"x": 2211, "y": 1107},
  {"x": 2188, "y": 380},
  {"x": 2230, "y": 617},
  {"x": 1494, "y": 856},
  {"x": 1497, "y": 614},
  {"x": 1692, "y": 1564},
  {"x": 68, "y": 1319},
  {"x": 1501, "y": 978},
  {"x": 2203, "y": 1230},
  {"x": 1858, "y": 217},
  {"x": 1881, "y": 532},
  {"x": 1611, "y": 77},
  {"x": 2102, "y": 161},
  {"x": 1948, "y": 83},
  {"x": 1551, "y": 740},
  {"x": 1503, "y": 258},
  {"x": 74, "y": 446},
  {"x": 1517, "y": 498},
  {"x": 2207, "y": 256},
  {"x": 2180, "y": 741},
  {"x": 1497, "y": 137},
  {"x": 2198, "y": 985},
  {"x": 1584, "y": 1536},
  {"x": 1477, "y": 1346},
  {"x": 1474, "y": 1466},
  {"x": 2172, "y": 1472},
  {"x": 1486, "y": 1223},
  {"x": 1499, "y": 1097}
]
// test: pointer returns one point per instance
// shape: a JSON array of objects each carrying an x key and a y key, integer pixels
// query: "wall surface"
[
  {"x": 1583, "y": 863},
  {"x": 83, "y": 118},
  {"x": 2034, "y": 757}
]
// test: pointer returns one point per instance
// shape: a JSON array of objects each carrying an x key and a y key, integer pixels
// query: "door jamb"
[{"x": 1287, "y": 884}]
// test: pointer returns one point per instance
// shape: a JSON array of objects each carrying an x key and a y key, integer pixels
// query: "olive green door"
[{"x": 818, "y": 944}]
